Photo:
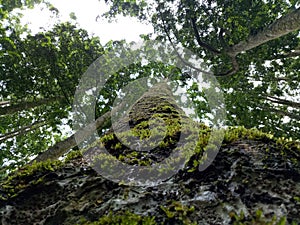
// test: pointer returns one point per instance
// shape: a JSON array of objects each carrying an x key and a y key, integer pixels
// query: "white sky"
[{"x": 86, "y": 13}]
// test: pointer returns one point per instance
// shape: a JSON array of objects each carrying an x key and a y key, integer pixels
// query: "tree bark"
[{"x": 284, "y": 25}]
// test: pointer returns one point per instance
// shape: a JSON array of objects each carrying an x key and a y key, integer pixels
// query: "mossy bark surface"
[{"x": 253, "y": 178}]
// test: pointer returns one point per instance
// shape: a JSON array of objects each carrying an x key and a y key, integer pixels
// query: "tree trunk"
[
  {"x": 252, "y": 175},
  {"x": 26, "y": 105},
  {"x": 62, "y": 147}
]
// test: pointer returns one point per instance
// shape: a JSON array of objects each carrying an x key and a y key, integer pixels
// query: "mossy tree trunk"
[{"x": 254, "y": 178}]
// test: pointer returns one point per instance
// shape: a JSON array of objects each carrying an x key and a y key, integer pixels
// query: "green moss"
[
  {"x": 73, "y": 155},
  {"x": 165, "y": 107},
  {"x": 32, "y": 174},
  {"x": 124, "y": 218},
  {"x": 34, "y": 168},
  {"x": 235, "y": 133},
  {"x": 166, "y": 133},
  {"x": 238, "y": 133},
  {"x": 27, "y": 176},
  {"x": 297, "y": 198},
  {"x": 176, "y": 212},
  {"x": 107, "y": 137},
  {"x": 163, "y": 134},
  {"x": 257, "y": 219}
]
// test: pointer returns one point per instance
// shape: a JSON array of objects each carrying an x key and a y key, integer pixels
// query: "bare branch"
[
  {"x": 281, "y": 112},
  {"x": 286, "y": 113},
  {"x": 282, "y": 101},
  {"x": 4, "y": 103},
  {"x": 177, "y": 53},
  {"x": 293, "y": 54}
]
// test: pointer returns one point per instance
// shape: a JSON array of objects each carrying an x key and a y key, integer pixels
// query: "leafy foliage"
[
  {"x": 38, "y": 74},
  {"x": 257, "y": 76}
]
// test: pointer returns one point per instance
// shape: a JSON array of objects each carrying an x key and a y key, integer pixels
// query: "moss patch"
[
  {"x": 73, "y": 155},
  {"x": 177, "y": 212},
  {"x": 257, "y": 219},
  {"x": 171, "y": 130},
  {"x": 32, "y": 175},
  {"x": 27, "y": 176},
  {"x": 126, "y": 218}
]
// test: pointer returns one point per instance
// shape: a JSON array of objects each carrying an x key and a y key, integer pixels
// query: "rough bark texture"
[
  {"x": 245, "y": 176},
  {"x": 252, "y": 173}
]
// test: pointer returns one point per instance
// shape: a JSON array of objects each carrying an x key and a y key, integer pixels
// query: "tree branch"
[
  {"x": 282, "y": 26},
  {"x": 3, "y": 103},
  {"x": 26, "y": 105},
  {"x": 282, "y": 101},
  {"x": 22, "y": 130},
  {"x": 62, "y": 147},
  {"x": 177, "y": 53},
  {"x": 293, "y": 54},
  {"x": 282, "y": 113},
  {"x": 285, "y": 113},
  {"x": 200, "y": 42}
]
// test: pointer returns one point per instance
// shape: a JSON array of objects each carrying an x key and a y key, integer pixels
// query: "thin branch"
[
  {"x": 26, "y": 105},
  {"x": 64, "y": 92},
  {"x": 235, "y": 65},
  {"x": 295, "y": 53},
  {"x": 200, "y": 42},
  {"x": 60, "y": 148},
  {"x": 22, "y": 130},
  {"x": 177, "y": 53},
  {"x": 4, "y": 103},
  {"x": 282, "y": 113},
  {"x": 221, "y": 38},
  {"x": 282, "y": 101}
]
